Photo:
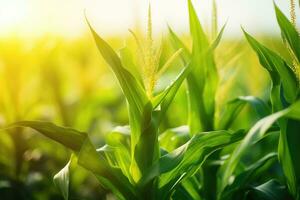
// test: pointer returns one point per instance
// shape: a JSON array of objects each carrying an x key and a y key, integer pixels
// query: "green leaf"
[
  {"x": 203, "y": 81},
  {"x": 288, "y": 150},
  {"x": 289, "y": 32},
  {"x": 185, "y": 160},
  {"x": 271, "y": 190},
  {"x": 182, "y": 193},
  {"x": 120, "y": 135},
  {"x": 234, "y": 107},
  {"x": 68, "y": 137},
  {"x": 243, "y": 180},
  {"x": 204, "y": 75},
  {"x": 165, "y": 98},
  {"x": 178, "y": 44},
  {"x": 144, "y": 136},
  {"x": 128, "y": 62},
  {"x": 253, "y": 136},
  {"x": 217, "y": 40},
  {"x": 203, "y": 66},
  {"x": 86, "y": 153},
  {"x": 173, "y": 138},
  {"x": 62, "y": 179},
  {"x": 287, "y": 147},
  {"x": 185, "y": 55},
  {"x": 189, "y": 189},
  {"x": 188, "y": 160},
  {"x": 279, "y": 71},
  {"x": 117, "y": 150},
  {"x": 201, "y": 53},
  {"x": 118, "y": 157},
  {"x": 133, "y": 91}
]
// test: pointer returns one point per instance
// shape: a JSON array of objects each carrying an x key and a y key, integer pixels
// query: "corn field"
[{"x": 196, "y": 117}]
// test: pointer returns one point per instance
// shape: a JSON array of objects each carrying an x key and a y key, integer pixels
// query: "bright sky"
[{"x": 66, "y": 17}]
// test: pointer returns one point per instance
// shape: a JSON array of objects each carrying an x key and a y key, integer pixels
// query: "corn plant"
[
  {"x": 132, "y": 164},
  {"x": 208, "y": 158},
  {"x": 284, "y": 95},
  {"x": 203, "y": 83}
]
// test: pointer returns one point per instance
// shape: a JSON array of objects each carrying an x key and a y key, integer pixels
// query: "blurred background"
[
  {"x": 50, "y": 70},
  {"x": 33, "y": 18}
]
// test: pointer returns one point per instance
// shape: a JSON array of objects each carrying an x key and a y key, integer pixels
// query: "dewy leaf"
[
  {"x": 62, "y": 179},
  {"x": 289, "y": 32},
  {"x": 253, "y": 136},
  {"x": 277, "y": 68}
]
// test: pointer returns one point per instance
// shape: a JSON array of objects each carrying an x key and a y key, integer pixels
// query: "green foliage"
[
  {"x": 213, "y": 157},
  {"x": 285, "y": 91}
]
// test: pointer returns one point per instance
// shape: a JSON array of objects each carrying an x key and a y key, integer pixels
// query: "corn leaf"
[
  {"x": 86, "y": 153},
  {"x": 288, "y": 150},
  {"x": 128, "y": 63},
  {"x": 189, "y": 160},
  {"x": 165, "y": 98},
  {"x": 271, "y": 190},
  {"x": 185, "y": 160},
  {"x": 133, "y": 91},
  {"x": 289, "y": 32},
  {"x": 234, "y": 107},
  {"x": 68, "y": 137},
  {"x": 117, "y": 150},
  {"x": 252, "y": 137},
  {"x": 217, "y": 40},
  {"x": 188, "y": 189},
  {"x": 144, "y": 136},
  {"x": 118, "y": 157},
  {"x": 243, "y": 180},
  {"x": 62, "y": 179},
  {"x": 203, "y": 80},
  {"x": 178, "y": 44},
  {"x": 287, "y": 147},
  {"x": 278, "y": 70},
  {"x": 173, "y": 138}
]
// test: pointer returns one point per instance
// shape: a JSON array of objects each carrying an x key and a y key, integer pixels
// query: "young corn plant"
[
  {"x": 284, "y": 97},
  {"x": 203, "y": 83},
  {"x": 132, "y": 165}
]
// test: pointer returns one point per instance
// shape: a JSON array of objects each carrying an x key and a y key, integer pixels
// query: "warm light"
[
  {"x": 36, "y": 17},
  {"x": 12, "y": 14}
]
